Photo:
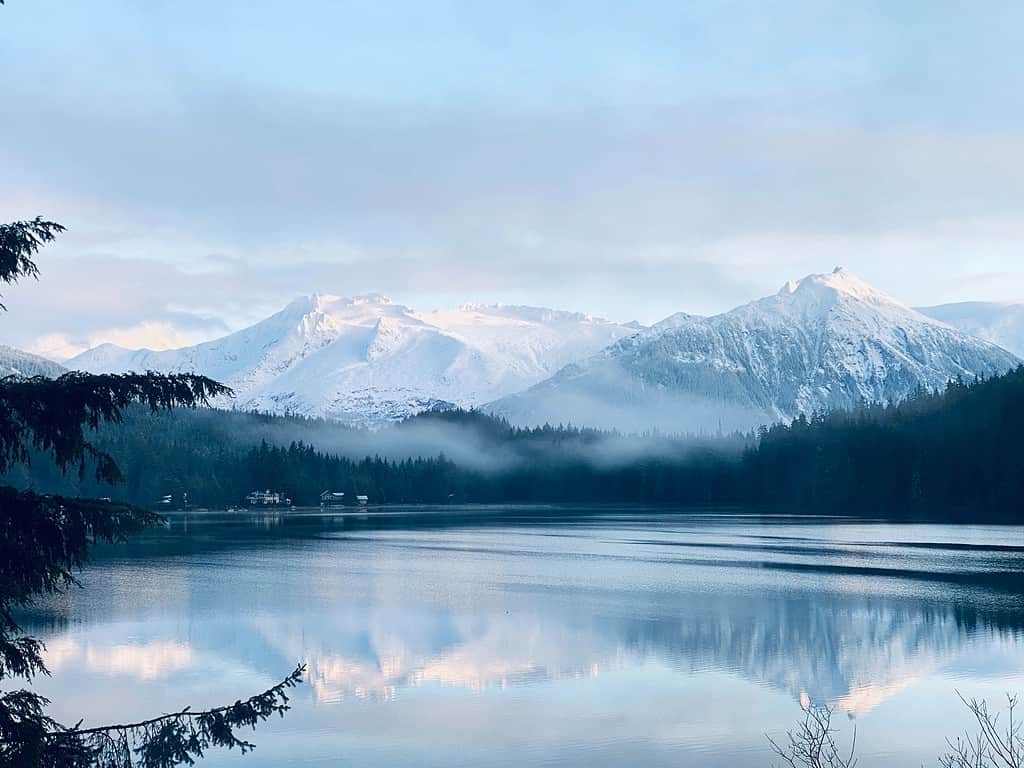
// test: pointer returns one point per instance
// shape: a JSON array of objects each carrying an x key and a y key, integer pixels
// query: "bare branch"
[{"x": 813, "y": 744}]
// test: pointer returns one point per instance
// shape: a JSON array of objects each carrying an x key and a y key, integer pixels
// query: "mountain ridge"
[
  {"x": 17, "y": 362},
  {"x": 826, "y": 341},
  {"x": 1001, "y": 323},
  {"x": 365, "y": 360}
]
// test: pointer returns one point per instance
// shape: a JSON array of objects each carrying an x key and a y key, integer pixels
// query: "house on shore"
[
  {"x": 329, "y": 499},
  {"x": 267, "y": 498}
]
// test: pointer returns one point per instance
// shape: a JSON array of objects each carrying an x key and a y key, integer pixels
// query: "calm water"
[{"x": 506, "y": 637}]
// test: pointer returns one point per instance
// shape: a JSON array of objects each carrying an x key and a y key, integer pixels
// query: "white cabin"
[
  {"x": 267, "y": 498},
  {"x": 332, "y": 499}
]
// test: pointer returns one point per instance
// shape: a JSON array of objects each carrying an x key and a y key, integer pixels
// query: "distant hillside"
[
  {"x": 365, "y": 361},
  {"x": 1001, "y": 324},
  {"x": 825, "y": 342},
  {"x": 16, "y": 362}
]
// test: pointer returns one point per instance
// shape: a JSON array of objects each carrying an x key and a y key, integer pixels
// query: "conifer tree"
[{"x": 45, "y": 539}]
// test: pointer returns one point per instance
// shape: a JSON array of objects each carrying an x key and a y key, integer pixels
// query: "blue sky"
[{"x": 212, "y": 160}]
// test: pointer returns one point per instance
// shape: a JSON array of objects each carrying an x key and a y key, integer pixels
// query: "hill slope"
[
  {"x": 1002, "y": 324},
  {"x": 16, "y": 362},
  {"x": 825, "y": 342},
  {"x": 366, "y": 361}
]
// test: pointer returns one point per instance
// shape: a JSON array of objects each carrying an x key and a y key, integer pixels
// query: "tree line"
[{"x": 949, "y": 454}]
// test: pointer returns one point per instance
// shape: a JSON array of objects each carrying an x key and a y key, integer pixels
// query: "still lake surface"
[{"x": 536, "y": 636}]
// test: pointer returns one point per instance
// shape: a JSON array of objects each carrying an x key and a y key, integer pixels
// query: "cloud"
[
  {"x": 152, "y": 335},
  {"x": 79, "y": 302},
  {"x": 637, "y": 177},
  {"x": 282, "y": 170}
]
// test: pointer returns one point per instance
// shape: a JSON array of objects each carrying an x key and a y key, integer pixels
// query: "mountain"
[
  {"x": 366, "y": 361},
  {"x": 1002, "y": 324},
  {"x": 14, "y": 361},
  {"x": 824, "y": 342}
]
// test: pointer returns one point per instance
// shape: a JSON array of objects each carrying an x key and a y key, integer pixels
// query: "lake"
[{"x": 513, "y": 636}]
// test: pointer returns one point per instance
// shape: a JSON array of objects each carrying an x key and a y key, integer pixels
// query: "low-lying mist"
[
  {"x": 471, "y": 439},
  {"x": 952, "y": 453}
]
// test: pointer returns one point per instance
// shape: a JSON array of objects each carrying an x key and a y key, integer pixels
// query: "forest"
[{"x": 955, "y": 454}]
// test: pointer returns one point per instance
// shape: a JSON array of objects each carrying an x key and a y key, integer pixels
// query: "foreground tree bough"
[
  {"x": 177, "y": 738},
  {"x": 996, "y": 744},
  {"x": 45, "y": 539}
]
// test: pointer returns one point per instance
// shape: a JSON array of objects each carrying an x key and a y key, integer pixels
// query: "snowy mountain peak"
[
  {"x": 364, "y": 360},
  {"x": 840, "y": 282},
  {"x": 329, "y": 303},
  {"x": 110, "y": 347},
  {"x": 364, "y": 299},
  {"x": 672, "y": 321},
  {"x": 823, "y": 342}
]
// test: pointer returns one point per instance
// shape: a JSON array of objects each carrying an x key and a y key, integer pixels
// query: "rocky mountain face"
[
  {"x": 826, "y": 341},
  {"x": 366, "y": 361},
  {"x": 15, "y": 362}
]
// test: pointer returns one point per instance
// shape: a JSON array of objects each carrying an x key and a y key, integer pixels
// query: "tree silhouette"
[{"x": 45, "y": 539}]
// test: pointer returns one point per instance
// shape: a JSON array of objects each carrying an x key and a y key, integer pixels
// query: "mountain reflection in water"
[{"x": 492, "y": 601}]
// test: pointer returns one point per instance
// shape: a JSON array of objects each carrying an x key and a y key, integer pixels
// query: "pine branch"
[
  {"x": 52, "y": 415},
  {"x": 178, "y": 737},
  {"x": 229, "y": 712},
  {"x": 19, "y": 242},
  {"x": 43, "y": 539}
]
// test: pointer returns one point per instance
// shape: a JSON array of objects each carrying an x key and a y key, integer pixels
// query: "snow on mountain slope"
[
  {"x": 364, "y": 360},
  {"x": 827, "y": 341},
  {"x": 1002, "y": 324},
  {"x": 15, "y": 362}
]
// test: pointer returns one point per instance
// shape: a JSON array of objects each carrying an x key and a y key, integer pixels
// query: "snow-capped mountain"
[
  {"x": 365, "y": 361},
  {"x": 16, "y": 362},
  {"x": 827, "y": 341},
  {"x": 1002, "y": 324}
]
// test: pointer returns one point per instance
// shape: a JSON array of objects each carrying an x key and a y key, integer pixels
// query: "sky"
[{"x": 212, "y": 161}]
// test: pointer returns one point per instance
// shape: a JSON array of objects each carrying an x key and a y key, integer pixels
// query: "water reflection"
[
  {"x": 854, "y": 654},
  {"x": 145, "y": 661},
  {"x": 381, "y": 611}
]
